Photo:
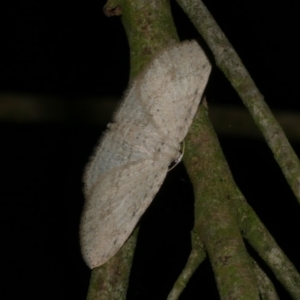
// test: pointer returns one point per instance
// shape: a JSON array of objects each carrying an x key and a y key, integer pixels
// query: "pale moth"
[{"x": 132, "y": 159}]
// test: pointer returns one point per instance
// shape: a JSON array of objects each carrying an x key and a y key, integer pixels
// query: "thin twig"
[{"x": 196, "y": 257}]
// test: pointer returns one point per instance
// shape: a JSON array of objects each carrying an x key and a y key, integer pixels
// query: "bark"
[{"x": 216, "y": 215}]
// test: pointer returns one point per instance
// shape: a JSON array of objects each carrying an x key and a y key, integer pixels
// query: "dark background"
[{"x": 72, "y": 50}]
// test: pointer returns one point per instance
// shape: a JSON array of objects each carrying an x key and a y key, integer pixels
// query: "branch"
[
  {"x": 229, "y": 62},
  {"x": 262, "y": 241},
  {"x": 216, "y": 215},
  {"x": 196, "y": 257},
  {"x": 266, "y": 288},
  {"x": 221, "y": 213},
  {"x": 110, "y": 281}
]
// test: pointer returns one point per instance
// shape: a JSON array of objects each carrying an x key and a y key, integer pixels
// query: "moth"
[{"x": 132, "y": 158}]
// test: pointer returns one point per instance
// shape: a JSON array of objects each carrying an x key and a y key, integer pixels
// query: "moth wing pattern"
[
  {"x": 183, "y": 72},
  {"x": 114, "y": 205},
  {"x": 132, "y": 108},
  {"x": 114, "y": 149},
  {"x": 116, "y": 145}
]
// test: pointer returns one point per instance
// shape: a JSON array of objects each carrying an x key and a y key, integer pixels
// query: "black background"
[{"x": 71, "y": 49}]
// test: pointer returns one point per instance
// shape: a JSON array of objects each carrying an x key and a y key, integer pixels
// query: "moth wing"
[
  {"x": 115, "y": 148},
  {"x": 106, "y": 155},
  {"x": 172, "y": 86},
  {"x": 114, "y": 205},
  {"x": 132, "y": 108}
]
